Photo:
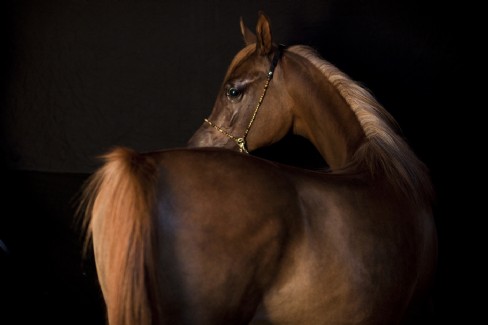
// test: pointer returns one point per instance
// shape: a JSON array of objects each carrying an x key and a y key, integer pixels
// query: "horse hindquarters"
[
  {"x": 175, "y": 243},
  {"x": 223, "y": 223}
]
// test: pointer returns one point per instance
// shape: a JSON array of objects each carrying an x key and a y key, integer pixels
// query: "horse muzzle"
[{"x": 208, "y": 137}]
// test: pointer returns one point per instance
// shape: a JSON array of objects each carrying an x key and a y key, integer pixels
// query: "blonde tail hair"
[{"x": 119, "y": 208}]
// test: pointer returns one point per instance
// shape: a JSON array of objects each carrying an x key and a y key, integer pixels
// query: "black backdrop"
[{"x": 82, "y": 76}]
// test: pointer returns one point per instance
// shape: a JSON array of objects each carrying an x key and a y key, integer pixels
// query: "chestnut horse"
[{"x": 214, "y": 236}]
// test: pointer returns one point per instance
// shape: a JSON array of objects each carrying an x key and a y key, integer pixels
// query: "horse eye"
[{"x": 233, "y": 93}]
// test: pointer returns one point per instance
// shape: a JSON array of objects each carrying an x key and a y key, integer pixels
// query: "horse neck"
[
  {"x": 349, "y": 127},
  {"x": 321, "y": 114}
]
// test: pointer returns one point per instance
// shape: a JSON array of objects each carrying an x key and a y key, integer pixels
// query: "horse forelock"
[
  {"x": 240, "y": 57},
  {"x": 385, "y": 147}
]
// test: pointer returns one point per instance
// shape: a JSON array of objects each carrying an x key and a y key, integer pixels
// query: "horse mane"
[{"x": 385, "y": 149}]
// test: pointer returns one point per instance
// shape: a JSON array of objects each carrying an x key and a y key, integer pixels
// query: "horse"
[
  {"x": 312, "y": 98},
  {"x": 209, "y": 234}
]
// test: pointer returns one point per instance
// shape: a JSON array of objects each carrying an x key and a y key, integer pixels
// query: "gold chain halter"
[{"x": 241, "y": 141}]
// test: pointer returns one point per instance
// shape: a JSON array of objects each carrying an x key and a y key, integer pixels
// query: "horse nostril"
[
  {"x": 191, "y": 143},
  {"x": 195, "y": 139}
]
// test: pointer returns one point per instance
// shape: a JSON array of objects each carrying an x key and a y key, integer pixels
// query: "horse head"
[{"x": 250, "y": 88}]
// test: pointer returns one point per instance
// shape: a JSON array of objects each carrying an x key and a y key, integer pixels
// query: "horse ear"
[
  {"x": 247, "y": 34},
  {"x": 264, "y": 43}
]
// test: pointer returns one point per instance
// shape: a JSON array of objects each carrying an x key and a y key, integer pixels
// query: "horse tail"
[{"x": 119, "y": 204}]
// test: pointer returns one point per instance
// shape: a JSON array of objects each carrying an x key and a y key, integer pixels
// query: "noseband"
[{"x": 241, "y": 142}]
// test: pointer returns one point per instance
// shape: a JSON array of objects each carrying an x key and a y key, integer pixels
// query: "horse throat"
[{"x": 322, "y": 116}]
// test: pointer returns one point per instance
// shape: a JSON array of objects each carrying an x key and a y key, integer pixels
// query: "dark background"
[{"x": 79, "y": 77}]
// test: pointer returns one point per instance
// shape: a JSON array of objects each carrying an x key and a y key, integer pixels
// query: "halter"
[{"x": 241, "y": 142}]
